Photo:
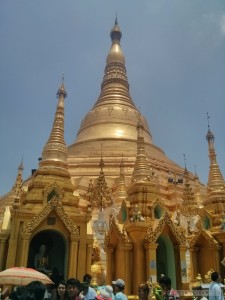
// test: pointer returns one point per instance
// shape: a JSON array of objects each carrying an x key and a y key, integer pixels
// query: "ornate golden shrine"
[{"x": 157, "y": 217}]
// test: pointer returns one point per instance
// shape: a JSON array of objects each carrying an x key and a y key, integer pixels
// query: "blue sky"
[{"x": 175, "y": 60}]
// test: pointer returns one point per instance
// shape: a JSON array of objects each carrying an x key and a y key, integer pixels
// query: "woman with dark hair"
[{"x": 59, "y": 293}]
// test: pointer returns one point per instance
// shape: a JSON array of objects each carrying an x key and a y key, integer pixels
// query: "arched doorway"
[
  {"x": 55, "y": 252},
  {"x": 166, "y": 259}
]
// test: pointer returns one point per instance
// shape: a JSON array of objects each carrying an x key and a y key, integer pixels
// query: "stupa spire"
[
  {"x": 121, "y": 189},
  {"x": 215, "y": 200},
  {"x": 55, "y": 151},
  {"x": 215, "y": 177},
  {"x": 17, "y": 187},
  {"x": 189, "y": 206},
  {"x": 115, "y": 87},
  {"x": 141, "y": 168}
]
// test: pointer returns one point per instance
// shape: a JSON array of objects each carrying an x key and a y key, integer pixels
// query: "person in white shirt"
[
  {"x": 215, "y": 290},
  {"x": 88, "y": 293}
]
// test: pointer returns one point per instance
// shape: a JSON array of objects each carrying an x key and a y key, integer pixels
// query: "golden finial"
[
  {"x": 61, "y": 91},
  {"x": 208, "y": 117},
  {"x": 116, "y": 22},
  {"x": 210, "y": 135}
]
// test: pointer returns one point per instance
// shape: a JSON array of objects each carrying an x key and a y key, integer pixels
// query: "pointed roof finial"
[
  {"x": 209, "y": 135},
  {"x": 116, "y": 22},
  {"x": 115, "y": 33},
  {"x": 185, "y": 166},
  {"x": 20, "y": 168},
  {"x": 208, "y": 117},
  {"x": 61, "y": 91},
  {"x": 55, "y": 150},
  {"x": 195, "y": 169}
]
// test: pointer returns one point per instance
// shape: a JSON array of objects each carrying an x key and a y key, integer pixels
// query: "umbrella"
[{"x": 22, "y": 276}]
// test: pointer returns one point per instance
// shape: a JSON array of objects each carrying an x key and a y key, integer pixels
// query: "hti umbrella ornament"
[{"x": 22, "y": 276}]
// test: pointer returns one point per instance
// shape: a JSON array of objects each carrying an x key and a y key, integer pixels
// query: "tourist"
[
  {"x": 143, "y": 291},
  {"x": 118, "y": 289},
  {"x": 37, "y": 288},
  {"x": 73, "y": 289},
  {"x": 215, "y": 290},
  {"x": 168, "y": 292},
  {"x": 60, "y": 292},
  {"x": 19, "y": 293},
  {"x": 88, "y": 293}
]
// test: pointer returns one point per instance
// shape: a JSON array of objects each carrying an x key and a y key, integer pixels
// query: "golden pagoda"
[
  {"x": 113, "y": 187},
  {"x": 47, "y": 216}
]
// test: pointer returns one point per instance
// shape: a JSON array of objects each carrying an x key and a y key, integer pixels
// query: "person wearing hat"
[{"x": 118, "y": 289}]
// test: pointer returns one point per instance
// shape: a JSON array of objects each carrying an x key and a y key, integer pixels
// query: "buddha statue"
[{"x": 41, "y": 259}]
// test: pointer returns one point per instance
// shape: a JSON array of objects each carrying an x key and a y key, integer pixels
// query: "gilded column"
[
  {"x": 128, "y": 271},
  {"x": 3, "y": 240},
  {"x": 24, "y": 249},
  {"x": 194, "y": 262},
  {"x": 109, "y": 264},
  {"x": 73, "y": 256},
  {"x": 150, "y": 250},
  {"x": 13, "y": 241},
  {"x": 88, "y": 259},
  {"x": 183, "y": 267},
  {"x": 216, "y": 250}
]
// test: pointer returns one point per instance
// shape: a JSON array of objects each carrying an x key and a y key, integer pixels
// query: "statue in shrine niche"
[{"x": 41, "y": 259}]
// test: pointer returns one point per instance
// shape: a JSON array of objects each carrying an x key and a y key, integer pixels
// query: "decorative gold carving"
[
  {"x": 216, "y": 189},
  {"x": 26, "y": 236},
  {"x": 137, "y": 217},
  {"x": 53, "y": 204},
  {"x": 115, "y": 72},
  {"x": 212, "y": 242},
  {"x": 99, "y": 195},
  {"x": 152, "y": 235},
  {"x": 122, "y": 234},
  {"x": 54, "y": 186},
  {"x": 55, "y": 145},
  {"x": 189, "y": 206},
  {"x": 208, "y": 276},
  {"x": 110, "y": 109}
]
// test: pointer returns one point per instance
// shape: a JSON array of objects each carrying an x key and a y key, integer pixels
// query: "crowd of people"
[{"x": 73, "y": 289}]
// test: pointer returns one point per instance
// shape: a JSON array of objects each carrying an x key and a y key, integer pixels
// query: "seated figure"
[{"x": 40, "y": 259}]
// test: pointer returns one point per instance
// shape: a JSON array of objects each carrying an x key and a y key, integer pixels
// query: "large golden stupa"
[
  {"x": 113, "y": 204},
  {"x": 109, "y": 129}
]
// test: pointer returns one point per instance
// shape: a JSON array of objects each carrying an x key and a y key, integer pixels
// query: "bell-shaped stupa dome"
[{"x": 109, "y": 129}]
